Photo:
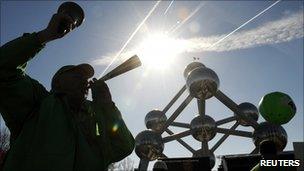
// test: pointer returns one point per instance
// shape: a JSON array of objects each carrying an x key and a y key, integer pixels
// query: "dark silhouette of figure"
[{"x": 58, "y": 130}]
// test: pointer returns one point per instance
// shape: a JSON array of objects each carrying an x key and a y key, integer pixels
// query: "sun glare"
[{"x": 158, "y": 51}]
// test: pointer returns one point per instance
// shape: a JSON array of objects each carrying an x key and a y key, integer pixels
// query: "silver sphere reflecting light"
[
  {"x": 155, "y": 120},
  {"x": 268, "y": 131},
  {"x": 203, "y": 128},
  {"x": 148, "y": 145},
  {"x": 249, "y": 111},
  {"x": 202, "y": 83},
  {"x": 192, "y": 66}
]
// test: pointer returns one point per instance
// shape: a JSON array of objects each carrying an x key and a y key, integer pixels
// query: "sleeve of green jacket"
[
  {"x": 256, "y": 168},
  {"x": 117, "y": 141},
  {"x": 18, "y": 92}
]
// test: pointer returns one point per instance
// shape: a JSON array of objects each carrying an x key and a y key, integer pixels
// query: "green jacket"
[{"x": 45, "y": 134}]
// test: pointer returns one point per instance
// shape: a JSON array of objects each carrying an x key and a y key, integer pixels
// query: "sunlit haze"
[{"x": 158, "y": 50}]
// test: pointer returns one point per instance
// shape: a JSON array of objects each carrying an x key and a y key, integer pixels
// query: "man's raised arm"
[
  {"x": 16, "y": 53},
  {"x": 19, "y": 94}
]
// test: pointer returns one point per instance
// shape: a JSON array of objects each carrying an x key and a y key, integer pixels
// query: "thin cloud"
[
  {"x": 279, "y": 31},
  {"x": 288, "y": 28}
]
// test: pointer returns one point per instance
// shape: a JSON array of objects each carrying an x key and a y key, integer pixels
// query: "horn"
[
  {"x": 73, "y": 10},
  {"x": 126, "y": 66}
]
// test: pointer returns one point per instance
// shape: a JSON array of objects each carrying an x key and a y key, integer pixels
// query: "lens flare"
[{"x": 115, "y": 128}]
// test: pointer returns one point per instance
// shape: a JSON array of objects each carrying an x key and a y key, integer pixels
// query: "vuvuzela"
[{"x": 126, "y": 66}]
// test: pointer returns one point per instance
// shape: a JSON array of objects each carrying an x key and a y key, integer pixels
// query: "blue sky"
[{"x": 248, "y": 66}]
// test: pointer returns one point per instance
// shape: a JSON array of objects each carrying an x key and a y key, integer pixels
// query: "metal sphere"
[
  {"x": 203, "y": 128},
  {"x": 249, "y": 111},
  {"x": 192, "y": 66},
  {"x": 160, "y": 165},
  {"x": 272, "y": 132},
  {"x": 148, "y": 145},
  {"x": 202, "y": 83},
  {"x": 210, "y": 155},
  {"x": 155, "y": 120}
]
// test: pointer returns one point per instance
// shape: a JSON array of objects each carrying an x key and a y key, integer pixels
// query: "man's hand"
[
  {"x": 100, "y": 91},
  {"x": 51, "y": 32}
]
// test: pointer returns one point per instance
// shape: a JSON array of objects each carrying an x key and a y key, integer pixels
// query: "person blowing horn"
[{"x": 58, "y": 130}]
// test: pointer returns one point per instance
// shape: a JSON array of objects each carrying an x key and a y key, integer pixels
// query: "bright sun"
[{"x": 159, "y": 50}]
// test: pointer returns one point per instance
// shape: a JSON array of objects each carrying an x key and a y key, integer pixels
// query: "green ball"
[{"x": 277, "y": 108}]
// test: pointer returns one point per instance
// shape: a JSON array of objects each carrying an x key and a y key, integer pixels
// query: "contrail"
[
  {"x": 168, "y": 7},
  {"x": 130, "y": 38},
  {"x": 189, "y": 16},
  {"x": 262, "y": 12}
]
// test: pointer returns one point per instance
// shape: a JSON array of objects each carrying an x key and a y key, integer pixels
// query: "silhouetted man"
[{"x": 58, "y": 130}]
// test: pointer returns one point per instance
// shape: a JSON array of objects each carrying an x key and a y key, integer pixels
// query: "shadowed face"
[{"x": 75, "y": 85}]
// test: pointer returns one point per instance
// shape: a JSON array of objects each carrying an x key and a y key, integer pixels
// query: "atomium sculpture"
[
  {"x": 249, "y": 111},
  {"x": 203, "y": 128},
  {"x": 155, "y": 120},
  {"x": 149, "y": 145},
  {"x": 202, "y": 84},
  {"x": 273, "y": 132}
]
